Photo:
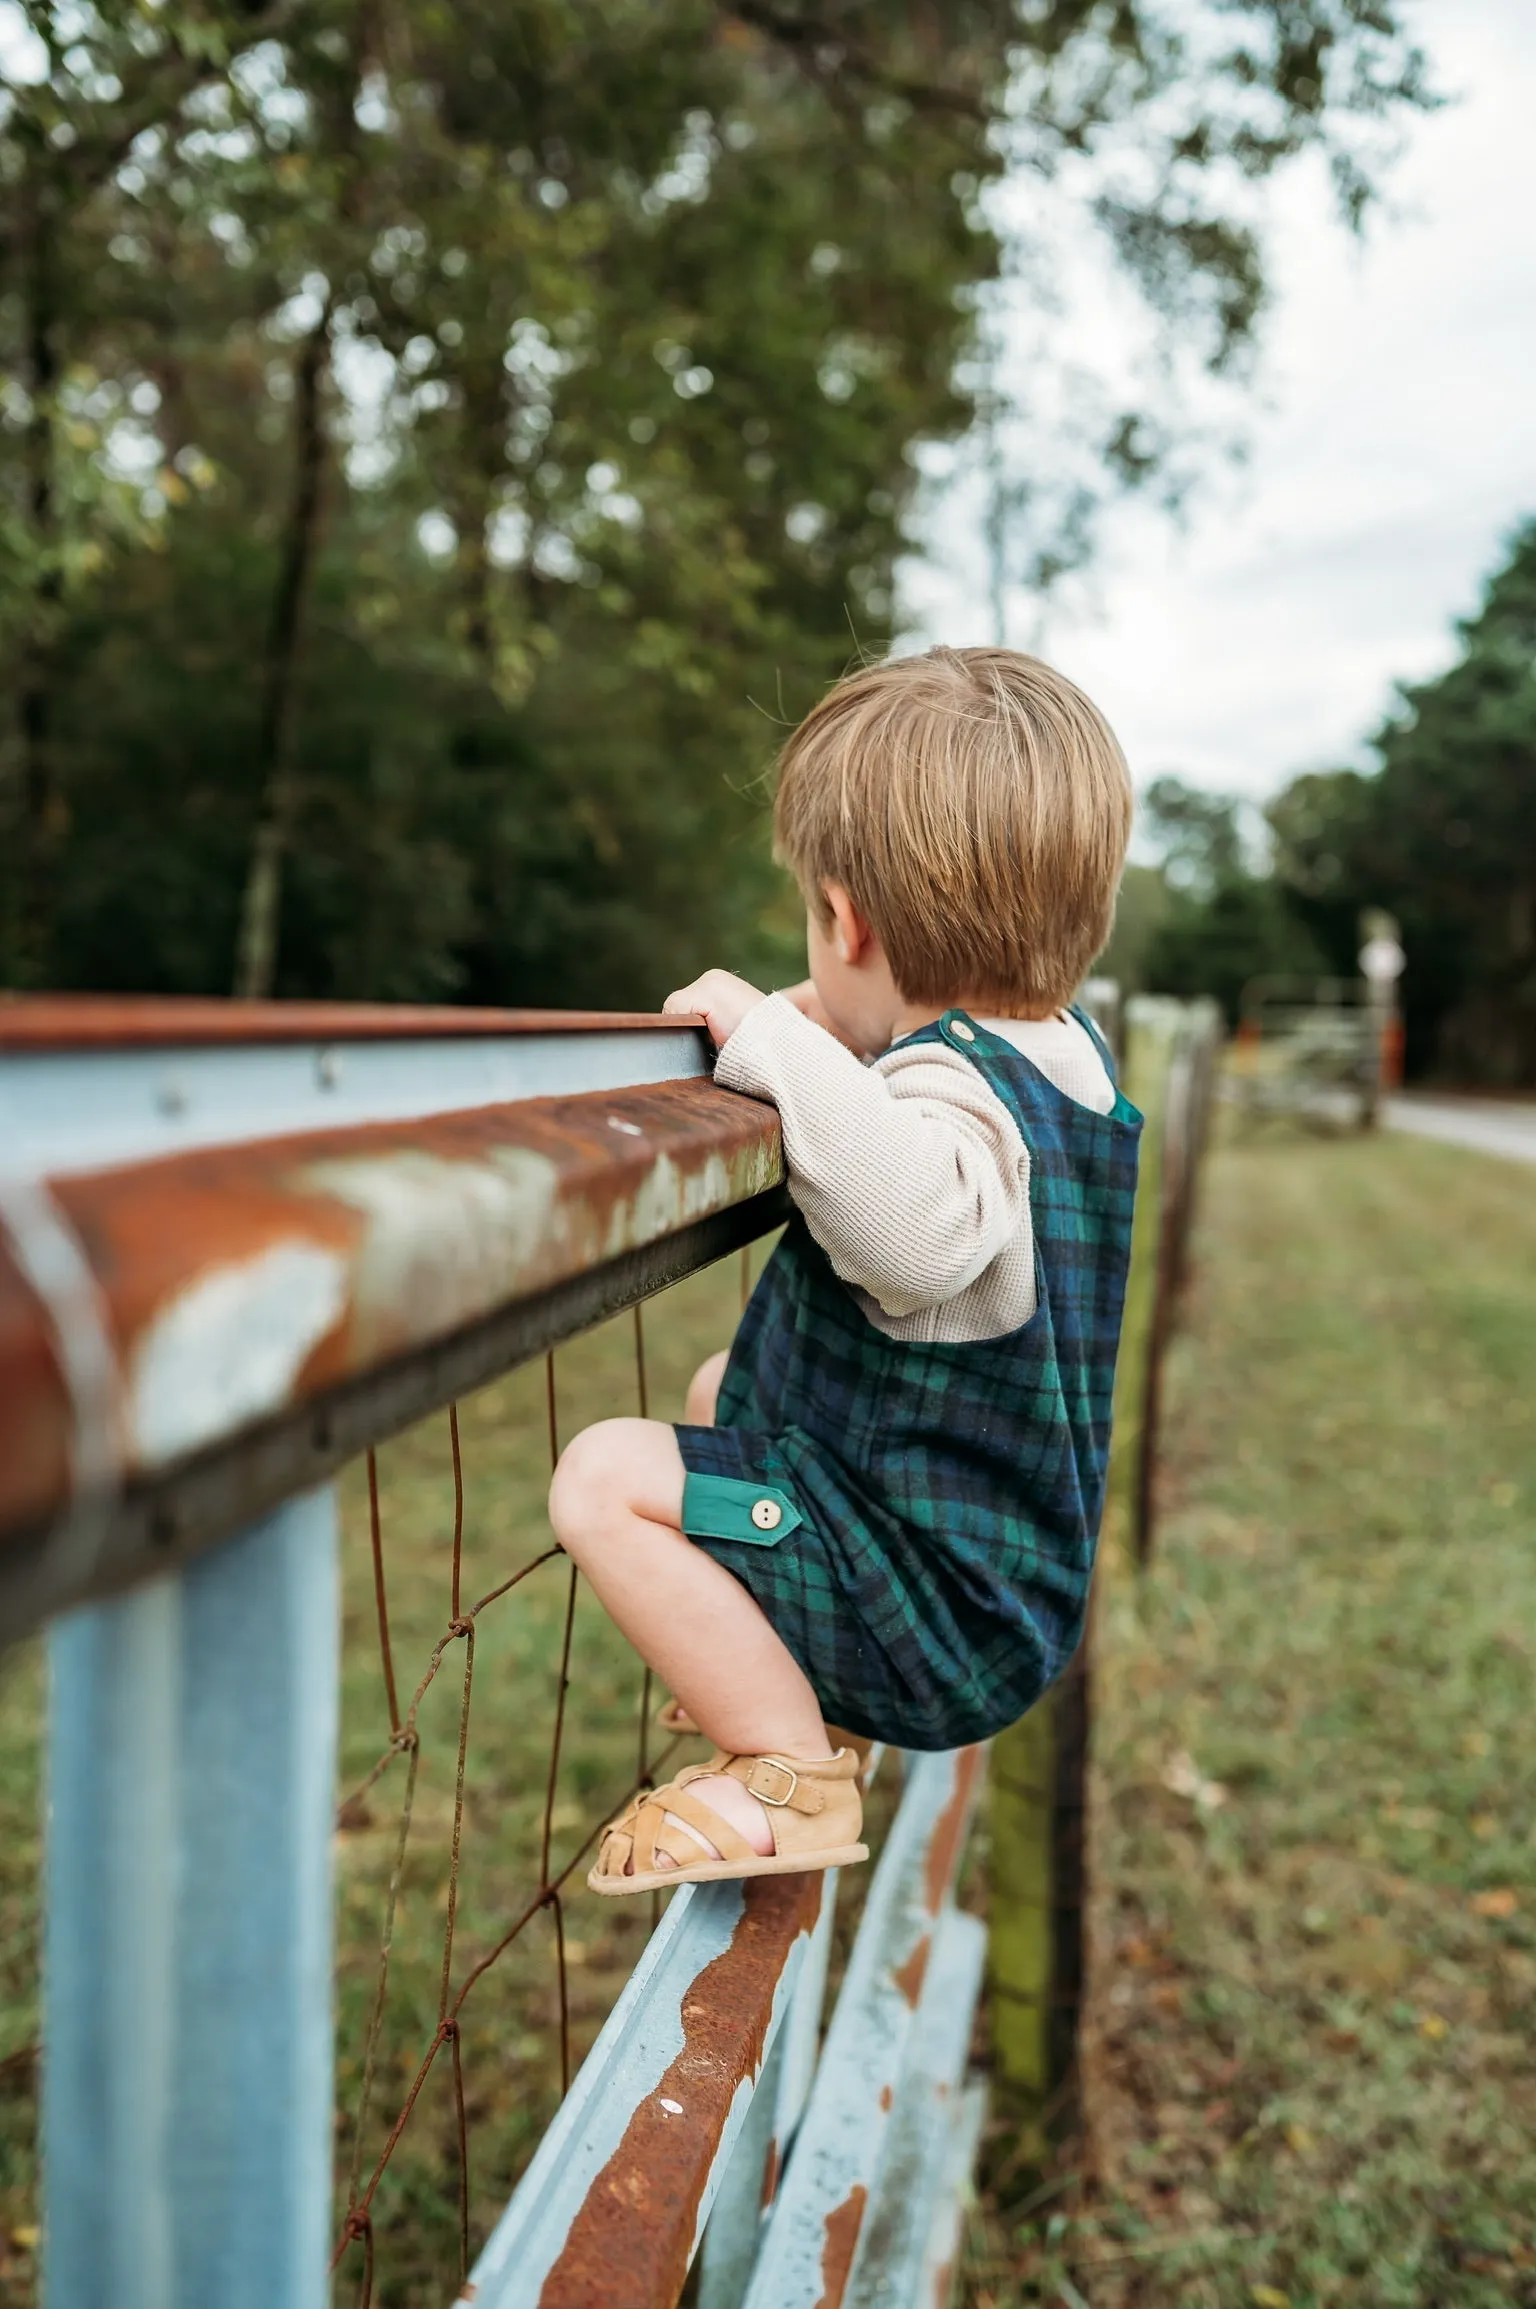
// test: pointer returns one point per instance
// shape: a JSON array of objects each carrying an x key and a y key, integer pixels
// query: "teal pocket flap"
[{"x": 723, "y": 1507}]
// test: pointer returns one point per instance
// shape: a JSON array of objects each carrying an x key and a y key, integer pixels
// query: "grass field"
[
  {"x": 1315, "y": 1988},
  {"x": 1311, "y": 2058}
]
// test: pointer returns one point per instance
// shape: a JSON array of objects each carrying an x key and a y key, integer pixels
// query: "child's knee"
[
  {"x": 618, "y": 1468},
  {"x": 704, "y": 1390},
  {"x": 581, "y": 1491}
]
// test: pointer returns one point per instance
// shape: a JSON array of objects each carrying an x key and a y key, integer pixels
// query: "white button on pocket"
[{"x": 767, "y": 1514}]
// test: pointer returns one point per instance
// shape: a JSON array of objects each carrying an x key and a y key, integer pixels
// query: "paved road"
[{"x": 1493, "y": 1126}]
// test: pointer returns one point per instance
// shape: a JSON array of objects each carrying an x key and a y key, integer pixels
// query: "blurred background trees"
[
  {"x": 440, "y": 450},
  {"x": 1443, "y": 834}
]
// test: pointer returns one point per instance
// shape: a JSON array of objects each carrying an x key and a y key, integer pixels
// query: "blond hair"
[{"x": 975, "y": 806}]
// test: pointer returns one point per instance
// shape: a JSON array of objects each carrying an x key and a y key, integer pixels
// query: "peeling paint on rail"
[
  {"x": 238, "y": 1283},
  {"x": 610, "y": 2212},
  {"x": 630, "y": 2244},
  {"x": 814, "y": 2244}
]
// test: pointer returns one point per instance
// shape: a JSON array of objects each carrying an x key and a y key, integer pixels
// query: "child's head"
[{"x": 971, "y": 808}]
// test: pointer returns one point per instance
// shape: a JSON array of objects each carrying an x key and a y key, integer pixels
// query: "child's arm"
[{"x": 911, "y": 1173}]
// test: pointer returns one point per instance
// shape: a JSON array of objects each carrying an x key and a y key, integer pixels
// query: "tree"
[
  {"x": 1444, "y": 834},
  {"x": 1225, "y": 919},
  {"x": 441, "y": 449}
]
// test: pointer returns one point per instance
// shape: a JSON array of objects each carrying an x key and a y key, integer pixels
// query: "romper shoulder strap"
[{"x": 1076, "y": 1010}]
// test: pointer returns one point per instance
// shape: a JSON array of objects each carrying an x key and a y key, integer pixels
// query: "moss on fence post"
[{"x": 1020, "y": 1784}]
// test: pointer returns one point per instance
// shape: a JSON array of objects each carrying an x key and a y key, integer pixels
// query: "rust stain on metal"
[
  {"x": 242, "y": 1281},
  {"x": 121, "y": 1022},
  {"x": 35, "y": 1414},
  {"x": 770, "y": 2176},
  {"x": 841, "y": 2236},
  {"x": 629, "y": 2246},
  {"x": 909, "y": 1976},
  {"x": 949, "y": 1831},
  {"x": 885, "y": 2096}
]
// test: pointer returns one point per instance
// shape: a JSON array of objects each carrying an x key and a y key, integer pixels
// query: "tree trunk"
[
  {"x": 257, "y": 956},
  {"x": 42, "y": 803},
  {"x": 483, "y": 385}
]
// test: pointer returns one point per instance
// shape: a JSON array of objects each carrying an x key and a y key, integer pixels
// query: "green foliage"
[
  {"x": 441, "y": 449},
  {"x": 1445, "y": 836},
  {"x": 1140, "y": 907},
  {"x": 1222, "y": 920}
]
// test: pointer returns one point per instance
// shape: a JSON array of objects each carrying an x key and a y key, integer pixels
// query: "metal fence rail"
[
  {"x": 241, "y": 1245},
  {"x": 236, "y": 1248}
]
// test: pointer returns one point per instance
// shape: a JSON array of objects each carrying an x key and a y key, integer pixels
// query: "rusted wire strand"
[
  {"x": 458, "y": 1505},
  {"x": 380, "y": 1600},
  {"x": 476, "y": 1973},
  {"x": 643, "y": 1395},
  {"x": 364, "y": 2178}
]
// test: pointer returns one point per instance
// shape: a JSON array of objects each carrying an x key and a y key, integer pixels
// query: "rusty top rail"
[
  {"x": 188, "y": 1337},
  {"x": 127, "y": 1021}
]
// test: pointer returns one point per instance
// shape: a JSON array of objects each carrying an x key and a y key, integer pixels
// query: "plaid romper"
[{"x": 918, "y": 1522}]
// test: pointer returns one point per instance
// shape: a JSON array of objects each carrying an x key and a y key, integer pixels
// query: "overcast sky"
[{"x": 1393, "y": 444}]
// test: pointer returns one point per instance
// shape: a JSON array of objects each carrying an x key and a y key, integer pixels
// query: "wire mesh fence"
[
  {"x": 510, "y": 1721},
  {"x": 493, "y": 1720}
]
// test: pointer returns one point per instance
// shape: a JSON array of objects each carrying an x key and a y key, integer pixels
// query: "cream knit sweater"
[{"x": 911, "y": 1173}]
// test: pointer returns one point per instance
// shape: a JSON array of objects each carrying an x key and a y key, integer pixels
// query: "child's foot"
[
  {"x": 729, "y": 1801},
  {"x": 673, "y": 1717},
  {"x": 736, "y": 1816}
]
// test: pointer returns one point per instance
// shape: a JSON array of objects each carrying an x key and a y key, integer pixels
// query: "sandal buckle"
[{"x": 762, "y": 1794}]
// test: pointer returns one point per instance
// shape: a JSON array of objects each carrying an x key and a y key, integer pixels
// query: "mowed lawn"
[{"x": 1312, "y": 2061}]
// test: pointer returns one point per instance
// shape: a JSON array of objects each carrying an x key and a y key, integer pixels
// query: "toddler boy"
[{"x": 882, "y": 1507}]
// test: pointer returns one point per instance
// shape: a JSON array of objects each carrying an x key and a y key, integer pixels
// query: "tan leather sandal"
[
  {"x": 673, "y": 1717},
  {"x": 814, "y": 1811}
]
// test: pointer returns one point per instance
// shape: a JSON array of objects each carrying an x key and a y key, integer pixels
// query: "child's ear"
[{"x": 852, "y": 936}]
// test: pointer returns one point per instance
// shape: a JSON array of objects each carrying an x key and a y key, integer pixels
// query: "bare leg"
[
  {"x": 616, "y": 1503},
  {"x": 704, "y": 1390}
]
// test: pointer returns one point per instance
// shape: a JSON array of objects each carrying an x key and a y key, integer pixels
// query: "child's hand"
[{"x": 724, "y": 1001}]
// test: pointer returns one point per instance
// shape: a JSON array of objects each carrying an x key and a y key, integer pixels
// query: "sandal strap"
[
  {"x": 644, "y": 1826},
  {"x": 783, "y": 1785},
  {"x": 727, "y": 1841}
]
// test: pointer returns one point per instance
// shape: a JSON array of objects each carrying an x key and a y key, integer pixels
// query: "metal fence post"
[{"x": 187, "y": 2088}]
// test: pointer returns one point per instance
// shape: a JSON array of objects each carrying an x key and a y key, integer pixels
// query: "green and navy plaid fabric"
[{"x": 948, "y": 1498}]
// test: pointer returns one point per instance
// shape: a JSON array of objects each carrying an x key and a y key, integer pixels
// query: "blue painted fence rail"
[{"x": 449, "y": 1194}]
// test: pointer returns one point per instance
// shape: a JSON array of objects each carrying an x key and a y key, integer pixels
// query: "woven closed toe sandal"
[
  {"x": 673, "y": 1717},
  {"x": 815, "y": 1813}
]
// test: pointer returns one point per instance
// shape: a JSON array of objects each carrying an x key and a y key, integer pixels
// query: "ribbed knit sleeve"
[{"x": 911, "y": 1173}]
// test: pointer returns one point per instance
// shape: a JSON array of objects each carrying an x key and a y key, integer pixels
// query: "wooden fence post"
[{"x": 1038, "y": 1787}]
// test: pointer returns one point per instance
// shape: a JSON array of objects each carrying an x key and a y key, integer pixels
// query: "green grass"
[
  {"x": 1311, "y": 2025},
  {"x": 1309, "y": 2058}
]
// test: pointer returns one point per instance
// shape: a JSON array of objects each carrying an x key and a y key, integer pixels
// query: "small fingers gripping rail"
[{"x": 240, "y": 1246}]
